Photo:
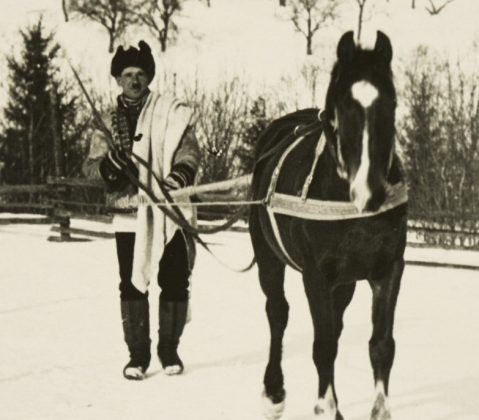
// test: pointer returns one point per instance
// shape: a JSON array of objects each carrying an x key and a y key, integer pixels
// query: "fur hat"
[{"x": 133, "y": 57}]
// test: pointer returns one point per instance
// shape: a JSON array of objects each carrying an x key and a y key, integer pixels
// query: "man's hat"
[{"x": 133, "y": 57}]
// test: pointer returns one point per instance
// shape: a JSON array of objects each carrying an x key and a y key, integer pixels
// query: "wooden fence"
[
  {"x": 61, "y": 200},
  {"x": 55, "y": 203}
]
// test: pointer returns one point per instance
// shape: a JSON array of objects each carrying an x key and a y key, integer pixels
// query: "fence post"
[{"x": 59, "y": 214}]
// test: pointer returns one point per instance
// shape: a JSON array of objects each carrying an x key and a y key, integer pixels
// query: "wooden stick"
[{"x": 242, "y": 181}]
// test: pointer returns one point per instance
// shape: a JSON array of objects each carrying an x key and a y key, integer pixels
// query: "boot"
[
  {"x": 172, "y": 322},
  {"x": 136, "y": 327}
]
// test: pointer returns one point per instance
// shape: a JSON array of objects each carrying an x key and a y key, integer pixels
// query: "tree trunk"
[
  {"x": 360, "y": 21},
  {"x": 56, "y": 135},
  {"x": 163, "y": 43},
  {"x": 413, "y": 4},
  {"x": 65, "y": 10},
  {"x": 111, "y": 46},
  {"x": 309, "y": 37},
  {"x": 164, "y": 33},
  {"x": 282, "y": 3},
  {"x": 309, "y": 44},
  {"x": 31, "y": 161}
]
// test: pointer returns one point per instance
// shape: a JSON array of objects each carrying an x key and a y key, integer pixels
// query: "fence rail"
[{"x": 60, "y": 200}]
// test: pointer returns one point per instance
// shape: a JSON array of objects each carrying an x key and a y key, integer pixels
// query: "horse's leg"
[
  {"x": 385, "y": 287},
  {"x": 271, "y": 277},
  {"x": 342, "y": 298},
  {"x": 327, "y": 307}
]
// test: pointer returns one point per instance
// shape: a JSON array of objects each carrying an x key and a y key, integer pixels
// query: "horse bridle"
[{"x": 332, "y": 140}]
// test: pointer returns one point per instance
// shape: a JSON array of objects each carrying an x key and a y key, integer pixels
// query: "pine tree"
[{"x": 41, "y": 130}]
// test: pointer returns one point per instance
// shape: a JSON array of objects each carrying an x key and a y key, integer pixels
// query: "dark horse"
[{"x": 358, "y": 166}]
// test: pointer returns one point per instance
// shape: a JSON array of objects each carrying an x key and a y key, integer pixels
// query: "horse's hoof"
[
  {"x": 326, "y": 408},
  {"x": 323, "y": 415},
  {"x": 380, "y": 409},
  {"x": 273, "y": 406}
]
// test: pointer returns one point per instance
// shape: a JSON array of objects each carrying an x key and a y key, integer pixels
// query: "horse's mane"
[{"x": 281, "y": 131}]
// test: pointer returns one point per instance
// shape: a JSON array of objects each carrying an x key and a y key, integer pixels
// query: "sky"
[{"x": 253, "y": 40}]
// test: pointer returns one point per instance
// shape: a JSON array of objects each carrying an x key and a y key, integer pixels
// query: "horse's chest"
[{"x": 344, "y": 250}]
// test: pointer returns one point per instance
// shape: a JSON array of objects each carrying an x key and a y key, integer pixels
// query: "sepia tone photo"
[{"x": 239, "y": 209}]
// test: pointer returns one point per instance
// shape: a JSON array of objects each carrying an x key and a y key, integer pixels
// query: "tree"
[
  {"x": 440, "y": 136},
  {"x": 221, "y": 116},
  {"x": 41, "y": 131},
  {"x": 308, "y": 16},
  {"x": 65, "y": 10},
  {"x": 113, "y": 15},
  {"x": 256, "y": 122},
  {"x": 361, "y": 4},
  {"x": 433, "y": 9},
  {"x": 157, "y": 15},
  {"x": 282, "y": 3}
]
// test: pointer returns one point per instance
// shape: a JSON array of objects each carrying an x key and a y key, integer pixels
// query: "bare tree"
[
  {"x": 113, "y": 15},
  {"x": 308, "y": 16},
  {"x": 157, "y": 15},
  {"x": 65, "y": 4},
  {"x": 361, "y": 4},
  {"x": 433, "y": 9}
]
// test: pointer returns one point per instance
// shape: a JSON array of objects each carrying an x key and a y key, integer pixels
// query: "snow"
[
  {"x": 62, "y": 348},
  {"x": 61, "y": 345}
]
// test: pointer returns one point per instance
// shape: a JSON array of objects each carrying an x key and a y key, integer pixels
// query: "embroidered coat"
[{"x": 164, "y": 137}]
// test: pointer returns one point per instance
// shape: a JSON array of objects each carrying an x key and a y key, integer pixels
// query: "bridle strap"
[{"x": 331, "y": 139}]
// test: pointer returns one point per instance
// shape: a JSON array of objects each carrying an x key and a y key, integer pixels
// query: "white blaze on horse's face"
[{"x": 365, "y": 93}]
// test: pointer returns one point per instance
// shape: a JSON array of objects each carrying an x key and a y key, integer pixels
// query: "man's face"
[{"x": 133, "y": 82}]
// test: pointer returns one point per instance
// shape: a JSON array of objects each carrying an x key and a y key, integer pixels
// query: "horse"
[{"x": 357, "y": 167}]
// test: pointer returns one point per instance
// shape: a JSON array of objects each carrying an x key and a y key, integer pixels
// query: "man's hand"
[
  {"x": 180, "y": 176},
  {"x": 112, "y": 169},
  {"x": 173, "y": 182}
]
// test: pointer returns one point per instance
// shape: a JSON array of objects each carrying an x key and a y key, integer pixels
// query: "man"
[{"x": 159, "y": 129}]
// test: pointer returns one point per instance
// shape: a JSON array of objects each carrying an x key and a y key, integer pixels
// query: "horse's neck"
[
  {"x": 396, "y": 173},
  {"x": 326, "y": 184}
]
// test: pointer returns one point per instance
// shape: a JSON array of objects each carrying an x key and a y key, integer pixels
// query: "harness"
[{"x": 313, "y": 209}]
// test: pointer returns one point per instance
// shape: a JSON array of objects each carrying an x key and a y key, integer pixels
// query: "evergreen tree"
[{"x": 41, "y": 128}]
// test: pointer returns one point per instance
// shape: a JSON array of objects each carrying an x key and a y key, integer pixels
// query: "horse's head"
[{"x": 360, "y": 106}]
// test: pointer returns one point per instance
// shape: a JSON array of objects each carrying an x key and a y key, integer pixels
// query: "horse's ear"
[
  {"x": 346, "y": 47},
  {"x": 383, "y": 47}
]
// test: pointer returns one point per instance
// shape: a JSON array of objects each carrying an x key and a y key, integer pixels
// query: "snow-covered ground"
[{"x": 62, "y": 351}]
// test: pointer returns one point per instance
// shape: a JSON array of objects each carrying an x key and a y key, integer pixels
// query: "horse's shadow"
[{"x": 294, "y": 345}]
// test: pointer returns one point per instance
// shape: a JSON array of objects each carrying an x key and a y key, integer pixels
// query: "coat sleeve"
[
  {"x": 186, "y": 159},
  {"x": 98, "y": 149}
]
